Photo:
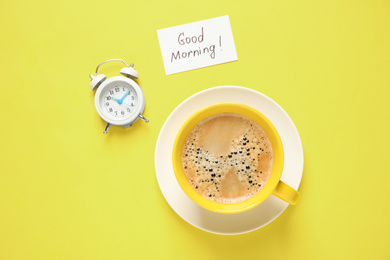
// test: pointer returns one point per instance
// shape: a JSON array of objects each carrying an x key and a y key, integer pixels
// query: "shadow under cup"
[{"x": 273, "y": 186}]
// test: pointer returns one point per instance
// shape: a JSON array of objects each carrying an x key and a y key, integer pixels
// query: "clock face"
[{"x": 119, "y": 100}]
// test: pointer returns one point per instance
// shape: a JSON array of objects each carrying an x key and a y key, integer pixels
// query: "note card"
[{"x": 197, "y": 45}]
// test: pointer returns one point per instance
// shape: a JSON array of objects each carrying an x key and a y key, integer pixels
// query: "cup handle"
[{"x": 286, "y": 193}]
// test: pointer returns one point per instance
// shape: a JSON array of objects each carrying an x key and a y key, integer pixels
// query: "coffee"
[{"x": 227, "y": 158}]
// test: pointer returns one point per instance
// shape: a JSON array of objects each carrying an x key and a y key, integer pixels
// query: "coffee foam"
[{"x": 227, "y": 158}]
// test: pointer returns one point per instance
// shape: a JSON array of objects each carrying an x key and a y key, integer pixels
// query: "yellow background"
[{"x": 69, "y": 192}]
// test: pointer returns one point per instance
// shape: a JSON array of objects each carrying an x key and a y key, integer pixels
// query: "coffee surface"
[{"x": 227, "y": 158}]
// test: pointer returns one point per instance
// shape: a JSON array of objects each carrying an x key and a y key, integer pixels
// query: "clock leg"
[
  {"x": 107, "y": 127},
  {"x": 143, "y": 118}
]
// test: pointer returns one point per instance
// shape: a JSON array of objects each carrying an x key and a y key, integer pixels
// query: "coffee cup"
[{"x": 228, "y": 157}]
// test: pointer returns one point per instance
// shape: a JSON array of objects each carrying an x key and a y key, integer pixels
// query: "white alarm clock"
[{"x": 119, "y": 100}]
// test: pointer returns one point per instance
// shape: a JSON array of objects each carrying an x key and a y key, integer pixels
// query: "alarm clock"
[{"x": 119, "y": 100}]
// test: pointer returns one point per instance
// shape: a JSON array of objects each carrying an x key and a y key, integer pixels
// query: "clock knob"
[
  {"x": 129, "y": 72},
  {"x": 96, "y": 80}
]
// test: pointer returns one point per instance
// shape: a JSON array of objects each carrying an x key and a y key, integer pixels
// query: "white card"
[{"x": 197, "y": 45}]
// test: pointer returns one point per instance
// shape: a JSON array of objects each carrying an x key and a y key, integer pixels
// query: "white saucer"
[{"x": 238, "y": 223}]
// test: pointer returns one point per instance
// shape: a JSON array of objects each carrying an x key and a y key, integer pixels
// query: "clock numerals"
[{"x": 120, "y": 101}]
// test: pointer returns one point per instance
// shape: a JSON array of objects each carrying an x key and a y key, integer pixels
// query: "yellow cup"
[{"x": 273, "y": 186}]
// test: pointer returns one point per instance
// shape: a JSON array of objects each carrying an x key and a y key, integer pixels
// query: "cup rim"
[{"x": 248, "y": 112}]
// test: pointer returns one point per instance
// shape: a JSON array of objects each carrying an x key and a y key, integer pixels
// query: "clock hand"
[
  {"x": 128, "y": 91},
  {"x": 128, "y": 105},
  {"x": 117, "y": 100}
]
